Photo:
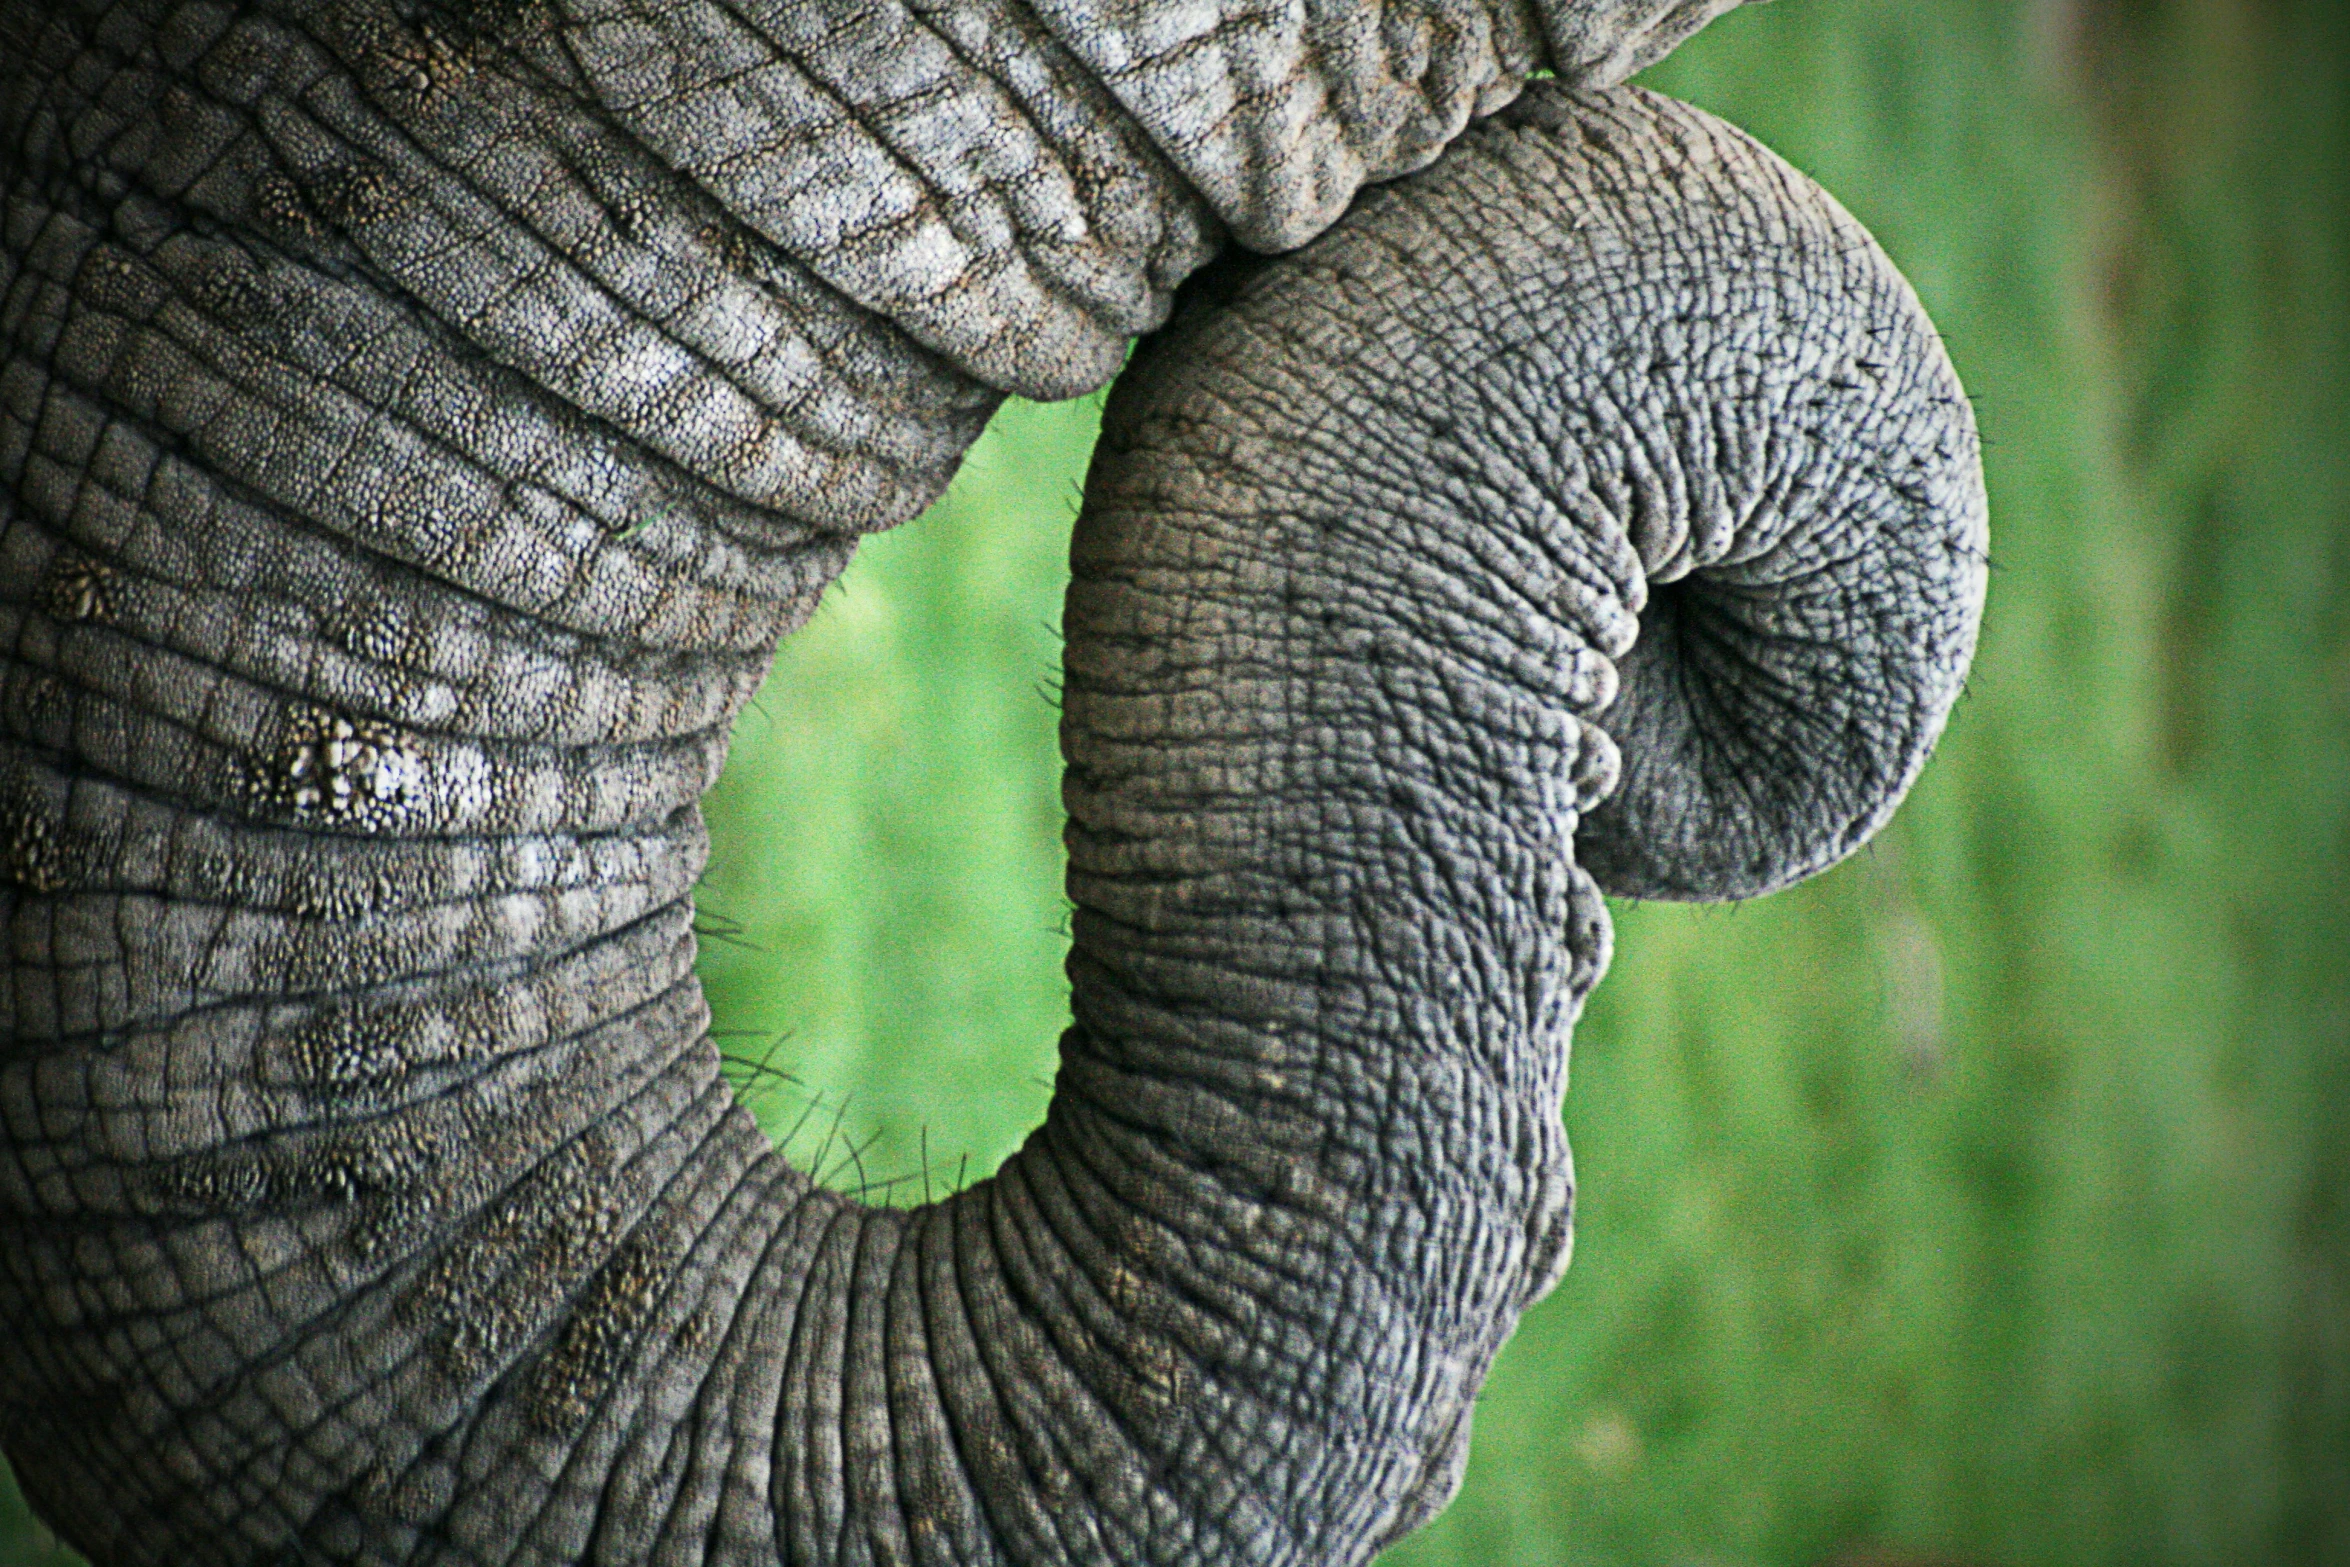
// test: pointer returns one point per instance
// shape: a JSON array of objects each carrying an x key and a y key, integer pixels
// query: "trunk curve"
[
  {"x": 416, "y": 426},
  {"x": 1365, "y": 545}
]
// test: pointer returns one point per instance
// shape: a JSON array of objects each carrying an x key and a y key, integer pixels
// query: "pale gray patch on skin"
[
  {"x": 332, "y": 769},
  {"x": 78, "y": 588}
]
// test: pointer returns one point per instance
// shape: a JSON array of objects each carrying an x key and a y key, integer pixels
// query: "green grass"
[
  {"x": 1987, "y": 1198},
  {"x": 890, "y": 876}
]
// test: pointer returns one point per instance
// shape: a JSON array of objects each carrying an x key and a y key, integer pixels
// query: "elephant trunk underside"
[{"x": 417, "y": 425}]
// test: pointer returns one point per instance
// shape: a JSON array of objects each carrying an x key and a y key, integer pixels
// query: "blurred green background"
[{"x": 1986, "y": 1200}]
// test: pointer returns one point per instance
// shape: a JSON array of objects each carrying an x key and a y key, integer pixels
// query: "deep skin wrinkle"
[{"x": 417, "y": 428}]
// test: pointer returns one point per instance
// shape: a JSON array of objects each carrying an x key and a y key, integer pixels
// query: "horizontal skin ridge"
[
  {"x": 117, "y": 840},
  {"x": 1277, "y": 114},
  {"x": 624, "y": 533},
  {"x": 501, "y": 691},
  {"x": 313, "y": 1259},
  {"x": 1007, "y": 217},
  {"x": 214, "y": 1144}
]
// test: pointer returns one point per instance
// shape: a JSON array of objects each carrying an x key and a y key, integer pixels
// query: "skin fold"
[{"x": 419, "y": 422}]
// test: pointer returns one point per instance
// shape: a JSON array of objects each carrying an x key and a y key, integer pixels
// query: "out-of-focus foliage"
[{"x": 1986, "y": 1200}]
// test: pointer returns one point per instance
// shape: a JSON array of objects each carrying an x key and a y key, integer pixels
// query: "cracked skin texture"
[{"x": 417, "y": 425}]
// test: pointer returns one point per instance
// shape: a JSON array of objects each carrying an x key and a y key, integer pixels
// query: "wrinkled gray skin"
[{"x": 417, "y": 425}]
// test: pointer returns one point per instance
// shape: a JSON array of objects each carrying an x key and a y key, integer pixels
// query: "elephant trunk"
[
  {"x": 1599, "y": 494},
  {"x": 416, "y": 426}
]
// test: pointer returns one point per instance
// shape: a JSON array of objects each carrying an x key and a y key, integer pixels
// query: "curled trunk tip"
[
  {"x": 1802, "y": 485},
  {"x": 1655, "y": 409}
]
